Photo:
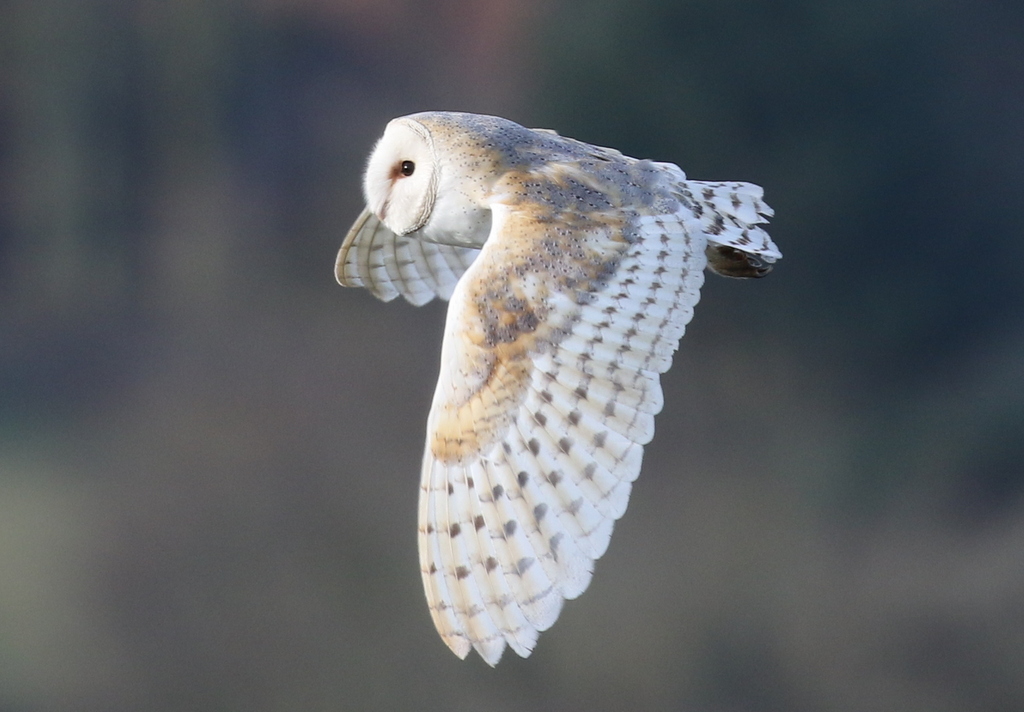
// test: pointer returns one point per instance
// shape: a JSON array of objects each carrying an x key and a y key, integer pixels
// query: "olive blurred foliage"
[{"x": 209, "y": 450}]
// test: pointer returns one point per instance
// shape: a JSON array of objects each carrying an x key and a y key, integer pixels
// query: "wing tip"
[
  {"x": 490, "y": 650},
  {"x": 458, "y": 644}
]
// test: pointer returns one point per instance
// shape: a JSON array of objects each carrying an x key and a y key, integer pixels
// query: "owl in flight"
[{"x": 571, "y": 272}]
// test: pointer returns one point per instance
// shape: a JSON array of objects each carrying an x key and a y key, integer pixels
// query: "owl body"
[{"x": 572, "y": 271}]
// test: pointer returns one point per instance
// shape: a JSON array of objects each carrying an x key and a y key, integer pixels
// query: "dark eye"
[{"x": 407, "y": 168}]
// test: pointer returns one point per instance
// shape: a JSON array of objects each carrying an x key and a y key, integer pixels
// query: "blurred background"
[{"x": 209, "y": 451}]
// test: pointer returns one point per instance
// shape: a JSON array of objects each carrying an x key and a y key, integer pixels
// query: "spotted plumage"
[{"x": 571, "y": 272}]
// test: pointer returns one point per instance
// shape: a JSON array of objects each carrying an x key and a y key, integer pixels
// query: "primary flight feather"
[{"x": 571, "y": 272}]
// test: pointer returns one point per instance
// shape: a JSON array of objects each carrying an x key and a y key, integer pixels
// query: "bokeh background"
[{"x": 209, "y": 451}]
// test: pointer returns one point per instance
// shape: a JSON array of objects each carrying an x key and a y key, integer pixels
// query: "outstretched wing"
[
  {"x": 388, "y": 264},
  {"x": 553, "y": 346}
]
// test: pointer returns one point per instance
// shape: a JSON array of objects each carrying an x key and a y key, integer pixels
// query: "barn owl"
[{"x": 571, "y": 272}]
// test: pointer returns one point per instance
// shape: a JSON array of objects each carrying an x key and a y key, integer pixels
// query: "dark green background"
[{"x": 209, "y": 451}]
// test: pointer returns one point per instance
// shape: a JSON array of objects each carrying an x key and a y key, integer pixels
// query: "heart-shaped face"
[{"x": 401, "y": 177}]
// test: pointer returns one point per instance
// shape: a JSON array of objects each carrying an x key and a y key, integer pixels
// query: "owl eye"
[{"x": 408, "y": 167}]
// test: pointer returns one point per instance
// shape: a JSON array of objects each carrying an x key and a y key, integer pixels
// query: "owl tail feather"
[
  {"x": 731, "y": 215},
  {"x": 730, "y": 262}
]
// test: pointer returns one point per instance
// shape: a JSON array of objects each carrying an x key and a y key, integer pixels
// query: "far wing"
[
  {"x": 547, "y": 394},
  {"x": 388, "y": 265}
]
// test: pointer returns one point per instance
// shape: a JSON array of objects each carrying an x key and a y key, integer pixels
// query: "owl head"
[
  {"x": 434, "y": 172},
  {"x": 401, "y": 178}
]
